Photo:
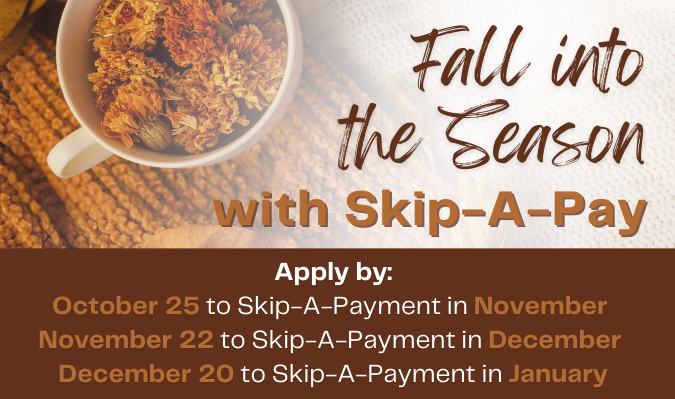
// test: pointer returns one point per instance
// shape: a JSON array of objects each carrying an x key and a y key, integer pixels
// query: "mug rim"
[{"x": 192, "y": 160}]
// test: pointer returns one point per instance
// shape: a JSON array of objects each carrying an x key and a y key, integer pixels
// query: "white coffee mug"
[{"x": 87, "y": 147}]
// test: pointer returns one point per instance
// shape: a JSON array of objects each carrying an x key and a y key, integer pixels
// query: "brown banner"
[{"x": 614, "y": 306}]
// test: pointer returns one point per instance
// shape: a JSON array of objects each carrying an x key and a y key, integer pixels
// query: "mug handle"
[{"x": 75, "y": 154}]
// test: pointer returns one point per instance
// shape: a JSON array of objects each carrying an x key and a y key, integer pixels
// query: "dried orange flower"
[
  {"x": 117, "y": 68},
  {"x": 223, "y": 12},
  {"x": 249, "y": 68},
  {"x": 136, "y": 102},
  {"x": 272, "y": 29},
  {"x": 190, "y": 28},
  {"x": 202, "y": 113},
  {"x": 128, "y": 24},
  {"x": 245, "y": 8}
]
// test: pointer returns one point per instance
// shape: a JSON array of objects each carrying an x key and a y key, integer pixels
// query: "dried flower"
[
  {"x": 273, "y": 30},
  {"x": 155, "y": 134},
  {"x": 190, "y": 29},
  {"x": 134, "y": 105},
  {"x": 249, "y": 68},
  {"x": 245, "y": 8},
  {"x": 223, "y": 12},
  {"x": 203, "y": 113},
  {"x": 116, "y": 68},
  {"x": 128, "y": 24}
]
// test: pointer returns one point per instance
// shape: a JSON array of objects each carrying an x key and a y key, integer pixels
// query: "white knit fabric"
[{"x": 370, "y": 42}]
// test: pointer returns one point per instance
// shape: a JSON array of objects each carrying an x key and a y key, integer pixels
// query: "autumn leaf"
[
  {"x": 13, "y": 42},
  {"x": 10, "y": 14},
  {"x": 35, "y": 5}
]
